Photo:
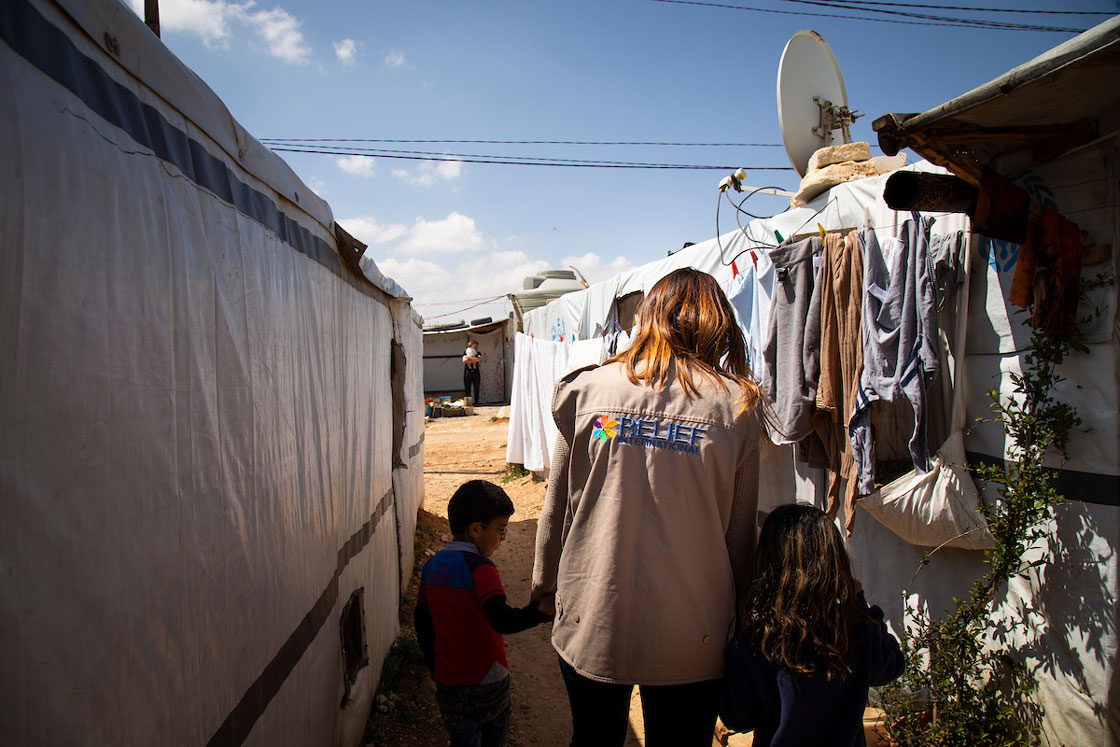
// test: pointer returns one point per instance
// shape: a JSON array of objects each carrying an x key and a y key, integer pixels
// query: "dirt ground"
[{"x": 456, "y": 450}]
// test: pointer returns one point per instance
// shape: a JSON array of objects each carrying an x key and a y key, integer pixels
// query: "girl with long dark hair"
[{"x": 799, "y": 672}]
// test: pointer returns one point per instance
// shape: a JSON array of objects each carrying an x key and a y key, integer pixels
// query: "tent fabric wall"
[
  {"x": 196, "y": 462},
  {"x": 1070, "y": 599}
]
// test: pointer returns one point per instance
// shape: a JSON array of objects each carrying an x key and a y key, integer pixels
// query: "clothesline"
[{"x": 797, "y": 235}]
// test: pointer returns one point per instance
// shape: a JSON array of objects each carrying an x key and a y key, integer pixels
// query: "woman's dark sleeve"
[
  {"x": 739, "y": 695},
  {"x": 425, "y": 632},
  {"x": 887, "y": 661},
  {"x": 505, "y": 619}
]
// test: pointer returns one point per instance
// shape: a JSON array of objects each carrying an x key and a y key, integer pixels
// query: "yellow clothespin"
[{"x": 821, "y": 229}]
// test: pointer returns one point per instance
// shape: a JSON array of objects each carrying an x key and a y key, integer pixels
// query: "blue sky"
[{"x": 606, "y": 70}]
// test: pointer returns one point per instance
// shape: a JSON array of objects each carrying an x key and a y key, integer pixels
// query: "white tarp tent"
[{"x": 198, "y": 467}]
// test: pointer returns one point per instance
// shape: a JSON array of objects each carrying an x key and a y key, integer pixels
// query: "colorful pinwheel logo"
[{"x": 605, "y": 429}]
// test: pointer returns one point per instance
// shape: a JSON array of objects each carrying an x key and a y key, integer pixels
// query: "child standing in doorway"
[
  {"x": 800, "y": 670},
  {"x": 461, "y": 615}
]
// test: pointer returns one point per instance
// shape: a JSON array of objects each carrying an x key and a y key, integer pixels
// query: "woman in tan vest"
[{"x": 648, "y": 526}]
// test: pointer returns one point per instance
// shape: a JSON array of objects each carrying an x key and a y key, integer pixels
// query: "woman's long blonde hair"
[{"x": 686, "y": 323}]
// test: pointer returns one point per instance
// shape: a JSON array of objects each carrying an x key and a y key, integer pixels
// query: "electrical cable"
[
  {"x": 461, "y": 300},
  {"x": 460, "y": 311},
  {"x": 962, "y": 24},
  {"x": 384, "y": 151},
  {"x": 985, "y": 10},
  {"x": 513, "y": 161},
  {"x": 758, "y": 244},
  {"x": 751, "y": 194},
  {"x": 851, "y": 4},
  {"x": 519, "y": 142}
]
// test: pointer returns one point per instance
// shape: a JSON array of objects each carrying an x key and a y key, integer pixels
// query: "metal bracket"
[{"x": 834, "y": 118}]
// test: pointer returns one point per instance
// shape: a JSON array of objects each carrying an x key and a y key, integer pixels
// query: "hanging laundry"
[
  {"x": 792, "y": 350},
  {"x": 1002, "y": 209},
  {"x": 841, "y": 363},
  {"x": 586, "y": 353},
  {"x": 1048, "y": 272},
  {"x": 538, "y": 365},
  {"x": 946, "y": 254},
  {"x": 750, "y": 296},
  {"x": 900, "y": 345}
]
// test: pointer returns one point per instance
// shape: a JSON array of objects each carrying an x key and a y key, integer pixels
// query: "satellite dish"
[{"x": 812, "y": 98}]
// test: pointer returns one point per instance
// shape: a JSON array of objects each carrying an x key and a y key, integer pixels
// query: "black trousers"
[
  {"x": 471, "y": 378},
  {"x": 675, "y": 715}
]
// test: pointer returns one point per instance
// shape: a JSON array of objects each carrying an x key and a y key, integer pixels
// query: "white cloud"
[
  {"x": 281, "y": 31},
  {"x": 345, "y": 51},
  {"x": 421, "y": 278},
  {"x": 363, "y": 166},
  {"x": 211, "y": 20},
  {"x": 448, "y": 260},
  {"x": 595, "y": 269},
  {"x": 370, "y": 232},
  {"x": 455, "y": 233},
  {"x": 433, "y": 284},
  {"x": 428, "y": 172},
  {"x": 395, "y": 58}
]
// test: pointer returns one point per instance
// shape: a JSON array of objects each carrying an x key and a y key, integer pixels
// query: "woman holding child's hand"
[{"x": 648, "y": 525}]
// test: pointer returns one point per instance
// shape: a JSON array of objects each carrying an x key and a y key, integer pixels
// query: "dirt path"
[{"x": 457, "y": 450}]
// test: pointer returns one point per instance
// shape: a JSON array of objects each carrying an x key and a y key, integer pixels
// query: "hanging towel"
[
  {"x": 841, "y": 361},
  {"x": 750, "y": 296},
  {"x": 585, "y": 353},
  {"x": 792, "y": 350},
  {"x": 538, "y": 365},
  {"x": 1048, "y": 271},
  {"x": 519, "y": 401}
]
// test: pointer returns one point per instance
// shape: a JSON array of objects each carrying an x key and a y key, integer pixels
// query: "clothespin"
[
  {"x": 754, "y": 258},
  {"x": 821, "y": 229},
  {"x": 780, "y": 239},
  {"x": 734, "y": 270}
]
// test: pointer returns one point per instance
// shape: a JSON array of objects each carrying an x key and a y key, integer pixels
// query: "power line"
[
  {"x": 851, "y": 4},
  {"x": 511, "y": 161},
  {"x": 985, "y": 10},
  {"x": 487, "y": 299},
  {"x": 518, "y": 142},
  {"x": 457, "y": 156},
  {"x": 962, "y": 23}
]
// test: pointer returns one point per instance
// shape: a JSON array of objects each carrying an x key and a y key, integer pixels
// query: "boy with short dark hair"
[{"x": 461, "y": 614}]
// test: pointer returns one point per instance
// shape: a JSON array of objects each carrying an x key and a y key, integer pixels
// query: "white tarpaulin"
[{"x": 199, "y": 466}]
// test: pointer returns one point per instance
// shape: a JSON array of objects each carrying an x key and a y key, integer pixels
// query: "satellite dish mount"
[{"x": 834, "y": 118}]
